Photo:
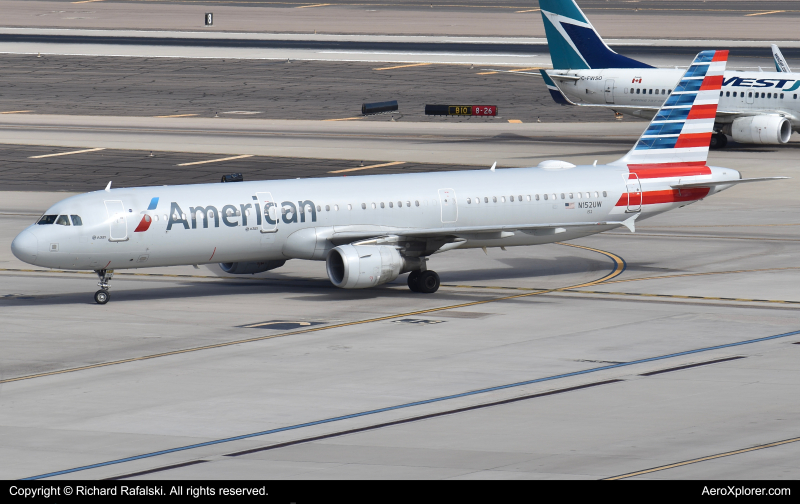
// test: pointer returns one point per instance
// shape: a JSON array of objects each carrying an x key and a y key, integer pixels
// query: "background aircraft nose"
[{"x": 25, "y": 247}]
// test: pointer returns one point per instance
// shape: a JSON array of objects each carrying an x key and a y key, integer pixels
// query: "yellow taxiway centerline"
[
  {"x": 176, "y": 115},
  {"x": 702, "y": 459},
  {"x": 403, "y": 66},
  {"x": 359, "y": 168},
  {"x": 216, "y": 160},
  {"x": 67, "y": 153}
]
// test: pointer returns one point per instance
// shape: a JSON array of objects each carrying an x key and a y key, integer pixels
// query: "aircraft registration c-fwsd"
[
  {"x": 371, "y": 229},
  {"x": 754, "y": 107}
]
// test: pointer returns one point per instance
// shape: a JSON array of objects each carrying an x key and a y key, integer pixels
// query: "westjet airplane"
[
  {"x": 371, "y": 229},
  {"x": 754, "y": 107}
]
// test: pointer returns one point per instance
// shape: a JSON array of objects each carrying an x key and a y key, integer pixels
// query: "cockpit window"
[
  {"x": 76, "y": 220},
  {"x": 62, "y": 220},
  {"x": 47, "y": 219}
]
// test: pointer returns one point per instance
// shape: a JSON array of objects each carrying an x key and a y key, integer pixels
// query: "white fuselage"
[
  {"x": 648, "y": 87},
  {"x": 222, "y": 223}
]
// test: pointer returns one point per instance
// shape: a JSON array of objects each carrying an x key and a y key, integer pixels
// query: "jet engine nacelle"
[
  {"x": 246, "y": 268},
  {"x": 362, "y": 266},
  {"x": 763, "y": 129}
]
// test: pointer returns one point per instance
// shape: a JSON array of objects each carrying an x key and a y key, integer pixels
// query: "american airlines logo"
[{"x": 233, "y": 216}]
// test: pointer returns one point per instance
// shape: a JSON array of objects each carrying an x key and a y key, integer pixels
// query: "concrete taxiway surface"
[
  {"x": 284, "y": 351},
  {"x": 616, "y": 19}
]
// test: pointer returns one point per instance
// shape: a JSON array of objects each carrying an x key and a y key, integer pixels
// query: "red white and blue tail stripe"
[{"x": 676, "y": 141}]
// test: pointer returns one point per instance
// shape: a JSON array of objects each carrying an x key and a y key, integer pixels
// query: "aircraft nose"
[{"x": 25, "y": 247}]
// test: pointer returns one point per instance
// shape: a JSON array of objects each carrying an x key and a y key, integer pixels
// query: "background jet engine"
[
  {"x": 246, "y": 268},
  {"x": 361, "y": 266},
  {"x": 763, "y": 129}
]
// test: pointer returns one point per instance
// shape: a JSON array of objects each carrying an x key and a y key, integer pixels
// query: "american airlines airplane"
[
  {"x": 371, "y": 229},
  {"x": 754, "y": 107}
]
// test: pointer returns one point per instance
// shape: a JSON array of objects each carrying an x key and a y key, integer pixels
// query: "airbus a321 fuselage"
[{"x": 370, "y": 229}]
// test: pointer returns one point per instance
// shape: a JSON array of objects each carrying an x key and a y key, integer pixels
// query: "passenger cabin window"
[
  {"x": 511, "y": 199},
  {"x": 605, "y": 194},
  {"x": 651, "y": 92},
  {"x": 545, "y": 197},
  {"x": 727, "y": 93},
  {"x": 537, "y": 197},
  {"x": 638, "y": 90},
  {"x": 494, "y": 199},
  {"x": 62, "y": 220},
  {"x": 416, "y": 202},
  {"x": 47, "y": 219},
  {"x": 469, "y": 201},
  {"x": 781, "y": 96},
  {"x": 76, "y": 220},
  {"x": 734, "y": 94},
  {"x": 631, "y": 90}
]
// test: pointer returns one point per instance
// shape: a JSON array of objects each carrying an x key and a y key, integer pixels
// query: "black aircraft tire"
[
  {"x": 428, "y": 282},
  {"x": 102, "y": 296},
  {"x": 413, "y": 281},
  {"x": 722, "y": 141}
]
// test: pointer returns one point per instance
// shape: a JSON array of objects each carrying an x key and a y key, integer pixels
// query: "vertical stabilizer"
[
  {"x": 780, "y": 61},
  {"x": 574, "y": 43},
  {"x": 677, "y": 139}
]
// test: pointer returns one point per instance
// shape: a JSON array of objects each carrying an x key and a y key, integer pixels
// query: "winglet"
[
  {"x": 630, "y": 222},
  {"x": 493, "y": 166},
  {"x": 108, "y": 187}
]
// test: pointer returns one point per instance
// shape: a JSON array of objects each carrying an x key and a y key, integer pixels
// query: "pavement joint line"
[
  {"x": 619, "y": 268},
  {"x": 417, "y": 418},
  {"x": 430, "y": 401},
  {"x": 67, "y": 153},
  {"x": 400, "y": 421},
  {"x": 216, "y": 160},
  {"x": 703, "y": 459}
]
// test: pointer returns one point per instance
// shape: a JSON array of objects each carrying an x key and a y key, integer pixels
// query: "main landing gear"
[
  {"x": 102, "y": 296},
  {"x": 426, "y": 282},
  {"x": 718, "y": 141}
]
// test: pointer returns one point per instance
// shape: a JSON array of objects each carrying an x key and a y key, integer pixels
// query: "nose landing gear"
[{"x": 102, "y": 296}]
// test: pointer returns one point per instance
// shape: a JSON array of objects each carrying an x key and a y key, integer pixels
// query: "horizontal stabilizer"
[{"x": 711, "y": 183}]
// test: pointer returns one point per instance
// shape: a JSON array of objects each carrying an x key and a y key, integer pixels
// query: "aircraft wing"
[
  {"x": 723, "y": 182},
  {"x": 384, "y": 234}
]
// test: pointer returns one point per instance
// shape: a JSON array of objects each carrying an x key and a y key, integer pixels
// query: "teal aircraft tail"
[{"x": 573, "y": 41}]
